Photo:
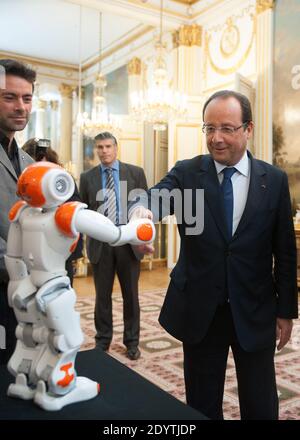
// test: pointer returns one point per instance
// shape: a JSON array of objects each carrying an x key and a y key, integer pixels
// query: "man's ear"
[{"x": 249, "y": 129}]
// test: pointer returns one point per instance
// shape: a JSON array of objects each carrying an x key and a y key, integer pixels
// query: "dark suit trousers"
[
  {"x": 8, "y": 322},
  {"x": 118, "y": 260},
  {"x": 205, "y": 368}
]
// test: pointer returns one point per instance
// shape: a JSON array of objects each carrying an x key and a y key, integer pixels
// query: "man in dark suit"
[
  {"x": 16, "y": 88},
  {"x": 107, "y": 260},
  {"x": 234, "y": 284}
]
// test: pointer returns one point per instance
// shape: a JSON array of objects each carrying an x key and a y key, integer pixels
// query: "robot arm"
[
  {"x": 98, "y": 226},
  {"x": 71, "y": 218}
]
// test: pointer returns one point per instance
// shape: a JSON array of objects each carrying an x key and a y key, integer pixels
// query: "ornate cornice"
[
  {"x": 66, "y": 90},
  {"x": 263, "y": 5},
  {"x": 188, "y": 35}
]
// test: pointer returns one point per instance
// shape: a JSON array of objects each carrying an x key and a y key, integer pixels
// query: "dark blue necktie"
[{"x": 227, "y": 192}]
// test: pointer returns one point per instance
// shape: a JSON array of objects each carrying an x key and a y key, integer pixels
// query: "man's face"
[
  {"x": 15, "y": 104},
  {"x": 107, "y": 151},
  {"x": 226, "y": 149}
]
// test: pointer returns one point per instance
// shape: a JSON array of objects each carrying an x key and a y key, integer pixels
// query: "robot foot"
[
  {"x": 20, "y": 388},
  {"x": 85, "y": 389}
]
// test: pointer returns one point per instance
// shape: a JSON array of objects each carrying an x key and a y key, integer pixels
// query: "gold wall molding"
[
  {"x": 188, "y": 35},
  {"x": 245, "y": 12},
  {"x": 234, "y": 46},
  {"x": 230, "y": 39},
  {"x": 233, "y": 69},
  {"x": 134, "y": 67},
  {"x": 264, "y": 5}
]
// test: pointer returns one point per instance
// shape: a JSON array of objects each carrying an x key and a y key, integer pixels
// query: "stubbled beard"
[{"x": 10, "y": 125}]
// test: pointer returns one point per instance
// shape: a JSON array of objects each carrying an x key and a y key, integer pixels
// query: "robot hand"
[
  {"x": 140, "y": 212},
  {"x": 136, "y": 232}
]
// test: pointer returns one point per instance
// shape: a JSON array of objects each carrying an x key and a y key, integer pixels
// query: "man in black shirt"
[{"x": 16, "y": 89}]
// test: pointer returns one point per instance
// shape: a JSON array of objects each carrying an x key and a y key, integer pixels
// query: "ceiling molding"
[
  {"x": 187, "y": 2},
  {"x": 69, "y": 69},
  {"x": 39, "y": 61},
  {"x": 91, "y": 62},
  {"x": 145, "y": 19},
  {"x": 146, "y": 12}
]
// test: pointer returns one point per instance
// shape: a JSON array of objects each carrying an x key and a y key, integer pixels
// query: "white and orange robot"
[{"x": 43, "y": 232}]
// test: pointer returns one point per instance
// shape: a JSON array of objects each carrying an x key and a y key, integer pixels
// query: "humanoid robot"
[{"x": 43, "y": 233}]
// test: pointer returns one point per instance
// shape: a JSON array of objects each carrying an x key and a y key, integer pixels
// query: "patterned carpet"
[{"x": 161, "y": 360}]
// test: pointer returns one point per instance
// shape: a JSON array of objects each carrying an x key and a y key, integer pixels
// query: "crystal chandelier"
[
  {"x": 100, "y": 119},
  {"x": 159, "y": 103}
]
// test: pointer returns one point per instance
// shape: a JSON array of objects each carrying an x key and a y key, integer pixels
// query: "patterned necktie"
[
  {"x": 227, "y": 192},
  {"x": 110, "y": 197}
]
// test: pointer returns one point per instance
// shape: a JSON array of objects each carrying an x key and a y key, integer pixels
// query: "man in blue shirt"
[{"x": 105, "y": 188}]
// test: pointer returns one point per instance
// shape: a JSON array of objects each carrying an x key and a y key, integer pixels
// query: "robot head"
[{"x": 45, "y": 185}]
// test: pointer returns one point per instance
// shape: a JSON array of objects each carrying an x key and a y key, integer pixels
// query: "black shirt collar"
[
  {"x": 12, "y": 153},
  {"x": 4, "y": 141}
]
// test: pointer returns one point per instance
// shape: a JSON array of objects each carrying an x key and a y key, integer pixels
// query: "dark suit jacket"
[
  {"x": 211, "y": 264},
  {"x": 91, "y": 183},
  {"x": 8, "y": 196}
]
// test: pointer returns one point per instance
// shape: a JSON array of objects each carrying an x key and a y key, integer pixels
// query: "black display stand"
[{"x": 124, "y": 395}]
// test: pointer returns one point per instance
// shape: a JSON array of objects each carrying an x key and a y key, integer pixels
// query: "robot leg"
[
  {"x": 31, "y": 337},
  {"x": 56, "y": 366}
]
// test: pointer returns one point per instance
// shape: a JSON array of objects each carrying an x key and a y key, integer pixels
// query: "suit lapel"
[
  {"x": 126, "y": 176},
  {"x": 123, "y": 173},
  {"x": 96, "y": 178},
  {"x": 208, "y": 180},
  {"x": 6, "y": 162},
  {"x": 256, "y": 193}
]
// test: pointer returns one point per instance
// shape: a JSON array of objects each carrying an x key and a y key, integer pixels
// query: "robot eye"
[{"x": 61, "y": 186}]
